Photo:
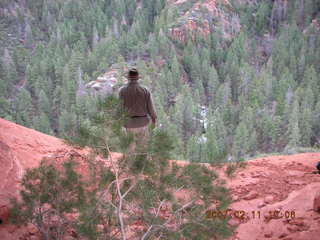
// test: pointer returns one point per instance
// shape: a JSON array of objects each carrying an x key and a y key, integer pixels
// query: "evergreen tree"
[
  {"x": 5, "y": 111},
  {"x": 44, "y": 104},
  {"x": 42, "y": 123},
  {"x": 212, "y": 85},
  {"x": 293, "y": 129},
  {"x": 212, "y": 151},
  {"x": 241, "y": 140},
  {"x": 195, "y": 149},
  {"x": 134, "y": 188},
  {"x": 262, "y": 17},
  {"x": 217, "y": 125},
  {"x": 310, "y": 79},
  {"x": 67, "y": 124},
  {"x": 184, "y": 114},
  {"x": 305, "y": 126},
  {"x": 24, "y": 108},
  {"x": 316, "y": 121},
  {"x": 176, "y": 72}
]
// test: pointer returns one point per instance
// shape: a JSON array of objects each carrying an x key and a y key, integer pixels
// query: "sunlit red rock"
[{"x": 196, "y": 20}]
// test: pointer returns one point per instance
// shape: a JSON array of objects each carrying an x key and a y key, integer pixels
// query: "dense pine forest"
[{"x": 229, "y": 79}]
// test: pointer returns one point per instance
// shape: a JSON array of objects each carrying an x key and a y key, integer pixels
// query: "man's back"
[{"x": 137, "y": 100}]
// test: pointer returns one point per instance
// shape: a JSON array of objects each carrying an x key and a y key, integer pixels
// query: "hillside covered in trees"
[{"x": 252, "y": 66}]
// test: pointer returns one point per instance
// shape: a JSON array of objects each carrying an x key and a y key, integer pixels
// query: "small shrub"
[{"x": 48, "y": 195}]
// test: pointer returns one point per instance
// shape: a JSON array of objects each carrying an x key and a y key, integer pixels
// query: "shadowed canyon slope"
[{"x": 284, "y": 183}]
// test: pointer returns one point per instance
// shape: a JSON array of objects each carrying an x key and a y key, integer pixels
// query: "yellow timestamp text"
[{"x": 255, "y": 214}]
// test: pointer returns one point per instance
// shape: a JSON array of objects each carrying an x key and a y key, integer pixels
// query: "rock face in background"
[
  {"x": 283, "y": 183},
  {"x": 106, "y": 84},
  {"x": 204, "y": 17}
]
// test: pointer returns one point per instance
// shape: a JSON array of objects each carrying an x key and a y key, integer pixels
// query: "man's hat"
[{"x": 133, "y": 74}]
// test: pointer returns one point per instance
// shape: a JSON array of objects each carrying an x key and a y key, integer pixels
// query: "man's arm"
[
  {"x": 150, "y": 109},
  {"x": 121, "y": 97}
]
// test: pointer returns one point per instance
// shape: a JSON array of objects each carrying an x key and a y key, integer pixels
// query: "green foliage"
[
  {"x": 135, "y": 187},
  {"x": 45, "y": 48},
  {"x": 293, "y": 130},
  {"x": 42, "y": 124},
  {"x": 47, "y": 197},
  {"x": 231, "y": 170}
]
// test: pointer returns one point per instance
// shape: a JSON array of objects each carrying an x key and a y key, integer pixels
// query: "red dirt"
[{"x": 284, "y": 183}]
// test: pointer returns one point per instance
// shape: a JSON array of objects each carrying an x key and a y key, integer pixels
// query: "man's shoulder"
[
  {"x": 144, "y": 88},
  {"x": 126, "y": 88},
  {"x": 123, "y": 88}
]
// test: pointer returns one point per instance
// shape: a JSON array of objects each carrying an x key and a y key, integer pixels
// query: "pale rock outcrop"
[{"x": 106, "y": 84}]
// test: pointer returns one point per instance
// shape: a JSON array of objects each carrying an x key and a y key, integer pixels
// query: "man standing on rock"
[{"x": 137, "y": 101}]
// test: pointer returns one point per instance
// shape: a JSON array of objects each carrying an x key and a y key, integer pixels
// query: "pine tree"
[
  {"x": 293, "y": 128},
  {"x": 176, "y": 72},
  {"x": 24, "y": 108},
  {"x": 212, "y": 150},
  {"x": 44, "y": 104},
  {"x": 184, "y": 115},
  {"x": 10, "y": 74},
  {"x": 217, "y": 124},
  {"x": 28, "y": 36},
  {"x": 316, "y": 121},
  {"x": 262, "y": 17},
  {"x": 135, "y": 188},
  {"x": 310, "y": 79},
  {"x": 67, "y": 124},
  {"x": 246, "y": 77},
  {"x": 215, "y": 146},
  {"x": 305, "y": 125},
  {"x": 42, "y": 123},
  {"x": 195, "y": 149},
  {"x": 241, "y": 141},
  {"x": 5, "y": 110},
  {"x": 212, "y": 85}
]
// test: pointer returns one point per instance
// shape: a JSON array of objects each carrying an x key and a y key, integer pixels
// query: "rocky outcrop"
[
  {"x": 106, "y": 84},
  {"x": 204, "y": 17}
]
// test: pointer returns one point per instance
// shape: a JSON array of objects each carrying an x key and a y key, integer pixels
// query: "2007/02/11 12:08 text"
[{"x": 241, "y": 214}]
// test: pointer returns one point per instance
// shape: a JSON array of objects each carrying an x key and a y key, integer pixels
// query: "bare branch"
[
  {"x": 130, "y": 188},
  {"x": 147, "y": 233},
  {"x": 159, "y": 208},
  {"x": 151, "y": 226},
  {"x": 119, "y": 208}
]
